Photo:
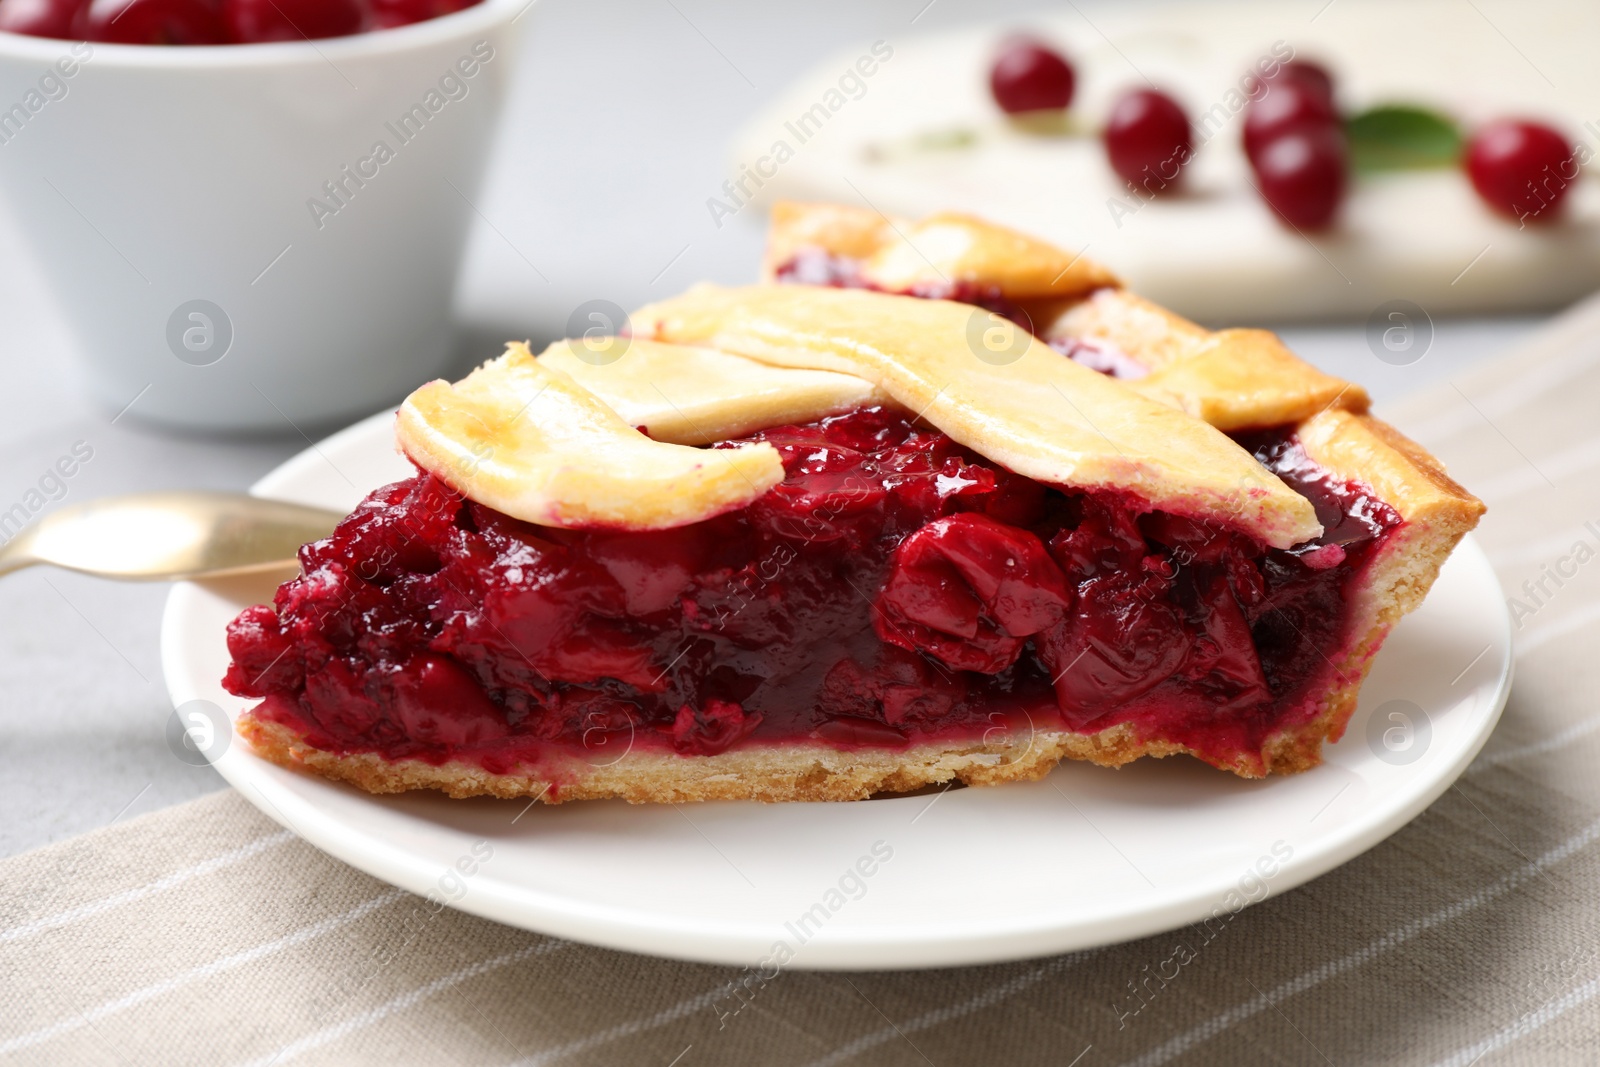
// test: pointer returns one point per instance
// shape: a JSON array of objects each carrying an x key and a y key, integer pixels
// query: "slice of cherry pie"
[{"x": 936, "y": 501}]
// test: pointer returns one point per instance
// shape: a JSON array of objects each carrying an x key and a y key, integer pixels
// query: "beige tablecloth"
[{"x": 204, "y": 934}]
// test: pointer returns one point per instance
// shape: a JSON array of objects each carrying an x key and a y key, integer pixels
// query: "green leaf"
[
  {"x": 1400, "y": 137},
  {"x": 950, "y": 139},
  {"x": 1051, "y": 122},
  {"x": 943, "y": 140}
]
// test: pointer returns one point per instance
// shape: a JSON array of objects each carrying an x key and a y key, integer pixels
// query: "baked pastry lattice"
[{"x": 933, "y": 502}]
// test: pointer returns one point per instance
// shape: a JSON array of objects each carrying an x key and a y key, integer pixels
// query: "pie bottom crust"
[{"x": 1436, "y": 513}]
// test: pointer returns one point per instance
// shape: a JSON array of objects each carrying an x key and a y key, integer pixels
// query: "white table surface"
[{"x": 614, "y": 139}]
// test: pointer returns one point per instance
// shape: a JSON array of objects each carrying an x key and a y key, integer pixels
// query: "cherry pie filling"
[{"x": 895, "y": 588}]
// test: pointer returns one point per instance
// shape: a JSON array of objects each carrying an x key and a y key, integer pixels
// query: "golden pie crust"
[
  {"x": 770, "y": 355},
  {"x": 698, "y": 396},
  {"x": 525, "y": 439},
  {"x": 1230, "y": 378},
  {"x": 1024, "y": 407},
  {"x": 941, "y": 250},
  {"x": 1233, "y": 379}
]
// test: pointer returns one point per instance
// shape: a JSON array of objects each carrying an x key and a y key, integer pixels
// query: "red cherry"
[
  {"x": 1122, "y": 641},
  {"x": 439, "y": 702},
  {"x": 714, "y": 728},
  {"x": 39, "y": 18},
  {"x": 150, "y": 22},
  {"x": 969, "y": 590},
  {"x": 1302, "y": 176},
  {"x": 388, "y": 13},
  {"x": 251, "y": 21},
  {"x": 1147, "y": 138},
  {"x": 1312, "y": 75},
  {"x": 1289, "y": 105},
  {"x": 1030, "y": 76},
  {"x": 1521, "y": 169}
]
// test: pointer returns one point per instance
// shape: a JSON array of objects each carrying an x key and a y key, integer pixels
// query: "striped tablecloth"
[{"x": 204, "y": 934}]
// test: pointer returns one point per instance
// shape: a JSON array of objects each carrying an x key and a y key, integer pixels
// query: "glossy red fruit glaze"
[
  {"x": 716, "y": 727},
  {"x": 969, "y": 591},
  {"x": 257, "y": 21},
  {"x": 1310, "y": 74},
  {"x": 172, "y": 22},
  {"x": 1302, "y": 176},
  {"x": 1289, "y": 106},
  {"x": 1028, "y": 75},
  {"x": 39, "y": 18},
  {"x": 389, "y": 13},
  {"x": 1521, "y": 169},
  {"x": 1147, "y": 139},
  {"x": 894, "y": 588}
]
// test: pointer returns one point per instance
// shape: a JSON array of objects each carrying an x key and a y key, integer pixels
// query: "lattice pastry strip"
[
  {"x": 1233, "y": 378},
  {"x": 557, "y": 442}
]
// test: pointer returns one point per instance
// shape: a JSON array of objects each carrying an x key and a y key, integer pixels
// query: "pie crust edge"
[
  {"x": 1436, "y": 514},
  {"x": 1436, "y": 511}
]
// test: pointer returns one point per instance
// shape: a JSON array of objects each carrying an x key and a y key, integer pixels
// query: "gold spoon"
[{"x": 157, "y": 536}]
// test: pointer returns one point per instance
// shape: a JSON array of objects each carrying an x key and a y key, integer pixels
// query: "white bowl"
[{"x": 231, "y": 247}]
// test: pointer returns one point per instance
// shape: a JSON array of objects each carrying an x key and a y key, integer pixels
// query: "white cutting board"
[{"x": 1217, "y": 253}]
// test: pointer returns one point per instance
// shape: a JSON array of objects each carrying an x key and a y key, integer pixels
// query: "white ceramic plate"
[{"x": 1086, "y": 857}]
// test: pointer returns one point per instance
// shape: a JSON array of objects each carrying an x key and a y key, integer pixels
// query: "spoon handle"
[
  {"x": 17, "y": 553},
  {"x": 165, "y": 535}
]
